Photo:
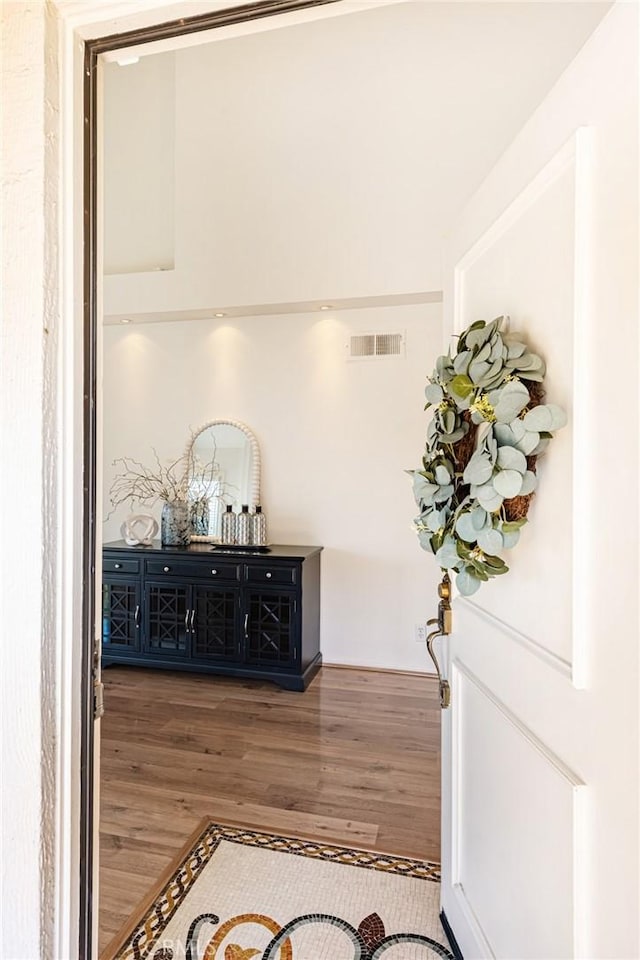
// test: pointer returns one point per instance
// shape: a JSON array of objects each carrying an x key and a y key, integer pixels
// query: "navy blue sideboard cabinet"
[{"x": 214, "y": 610}]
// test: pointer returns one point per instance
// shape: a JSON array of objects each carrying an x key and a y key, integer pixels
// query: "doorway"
[{"x": 401, "y": 287}]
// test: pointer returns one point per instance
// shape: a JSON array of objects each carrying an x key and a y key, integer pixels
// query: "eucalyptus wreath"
[{"x": 488, "y": 428}]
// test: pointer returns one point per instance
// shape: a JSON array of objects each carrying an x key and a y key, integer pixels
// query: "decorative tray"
[{"x": 245, "y": 547}]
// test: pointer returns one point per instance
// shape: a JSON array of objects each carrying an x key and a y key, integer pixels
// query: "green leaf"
[
  {"x": 442, "y": 365},
  {"x": 423, "y": 491},
  {"x": 504, "y": 434},
  {"x": 545, "y": 418},
  {"x": 457, "y": 434},
  {"x": 465, "y": 529},
  {"x": 443, "y": 494},
  {"x": 494, "y": 371},
  {"x": 497, "y": 564},
  {"x": 537, "y": 419},
  {"x": 435, "y": 519},
  {"x": 448, "y": 421},
  {"x": 558, "y": 416},
  {"x": 479, "y": 518},
  {"x": 513, "y": 398},
  {"x": 447, "y": 556},
  {"x": 467, "y": 583},
  {"x": 510, "y": 538},
  {"x": 530, "y": 362},
  {"x": 490, "y": 541},
  {"x": 437, "y": 540},
  {"x": 424, "y": 539},
  {"x": 518, "y": 429},
  {"x": 516, "y": 349},
  {"x": 540, "y": 448},
  {"x": 462, "y": 386},
  {"x": 477, "y": 370},
  {"x": 487, "y": 496},
  {"x": 478, "y": 470},
  {"x": 528, "y": 442},
  {"x": 477, "y": 335},
  {"x": 508, "y": 483},
  {"x": 483, "y": 354},
  {"x": 461, "y": 361},
  {"x": 511, "y": 459},
  {"x": 434, "y": 393},
  {"x": 510, "y": 525},
  {"x": 529, "y": 483}
]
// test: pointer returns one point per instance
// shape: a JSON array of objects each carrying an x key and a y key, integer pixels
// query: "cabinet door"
[
  {"x": 120, "y": 616},
  {"x": 214, "y": 624},
  {"x": 167, "y": 613},
  {"x": 270, "y": 628}
]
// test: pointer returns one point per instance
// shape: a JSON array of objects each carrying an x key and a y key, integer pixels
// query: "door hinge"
[
  {"x": 98, "y": 699},
  {"x": 96, "y": 676}
]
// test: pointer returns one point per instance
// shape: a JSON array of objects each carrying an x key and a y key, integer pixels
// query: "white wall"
[
  {"x": 139, "y": 126},
  {"x": 335, "y": 437},
  {"x": 326, "y": 160},
  {"x": 28, "y": 520}
]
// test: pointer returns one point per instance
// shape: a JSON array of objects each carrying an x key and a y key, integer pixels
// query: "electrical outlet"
[{"x": 420, "y": 632}]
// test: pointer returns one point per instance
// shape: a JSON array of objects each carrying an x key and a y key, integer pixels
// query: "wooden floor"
[{"x": 353, "y": 760}]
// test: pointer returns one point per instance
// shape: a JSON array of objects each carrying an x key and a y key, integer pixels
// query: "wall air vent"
[{"x": 373, "y": 345}]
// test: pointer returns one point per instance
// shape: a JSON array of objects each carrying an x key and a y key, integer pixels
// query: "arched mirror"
[{"x": 223, "y": 463}]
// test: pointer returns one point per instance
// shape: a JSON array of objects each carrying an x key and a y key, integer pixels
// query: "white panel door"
[{"x": 540, "y": 743}]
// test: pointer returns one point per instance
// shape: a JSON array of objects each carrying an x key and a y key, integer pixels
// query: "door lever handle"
[{"x": 443, "y": 628}]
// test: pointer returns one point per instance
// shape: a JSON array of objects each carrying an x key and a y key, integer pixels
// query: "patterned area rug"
[{"x": 237, "y": 894}]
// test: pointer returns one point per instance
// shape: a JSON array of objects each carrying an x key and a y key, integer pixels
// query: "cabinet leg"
[{"x": 300, "y": 682}]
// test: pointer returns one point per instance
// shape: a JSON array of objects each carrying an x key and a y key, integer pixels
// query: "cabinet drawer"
[
  {"x": 120, "y": 565},
  {"x": 211, "y": 569},
  {"x": 276, "y": 573}
]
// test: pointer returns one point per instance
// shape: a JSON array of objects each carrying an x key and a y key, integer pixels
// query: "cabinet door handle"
[
  {"x": 268, "y": 576},
  {"x": 214, "y": 572},
  {"x": 246, "y": 626},
  {"x": 193, "y": 617},
  {"x": 186, "y": 620},
  {"x": 166, "y": 569},
  {"x": 117, "y": 566},
  {"x": 136, "y": 616}
]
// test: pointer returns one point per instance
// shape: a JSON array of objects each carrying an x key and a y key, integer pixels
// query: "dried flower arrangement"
[
  {"x": 478, "y": 475},
  {"x": 185, "y": 480},
  {"x": 136, "y": 483}
]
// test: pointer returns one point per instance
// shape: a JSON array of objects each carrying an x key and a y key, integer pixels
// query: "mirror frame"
[{"x": 254, "y": 477}]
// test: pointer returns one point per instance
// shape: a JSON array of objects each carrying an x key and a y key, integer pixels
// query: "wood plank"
[{"x": 355, "y": 760}]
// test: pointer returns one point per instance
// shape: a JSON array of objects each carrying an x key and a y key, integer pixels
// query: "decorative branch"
[{"x": 136, "y": 483}]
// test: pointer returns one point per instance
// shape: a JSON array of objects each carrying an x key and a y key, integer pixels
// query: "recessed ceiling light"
[
  {"x": 326, "y": 306},
  {"x": 127, "y": 61},
  {"x": 220, "y": 314},
  {"x": 125, "y": 320}
]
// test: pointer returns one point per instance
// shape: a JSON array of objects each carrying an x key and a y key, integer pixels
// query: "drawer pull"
[
  {"x": 166, "y": 569},
  {"x": 268, "y": 575},
  {"x": 214, "y": 572},
  {"x": 117, "y": 566}
]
